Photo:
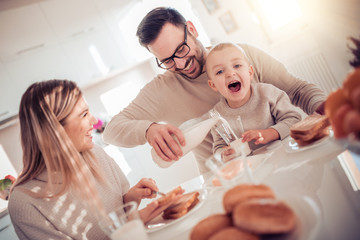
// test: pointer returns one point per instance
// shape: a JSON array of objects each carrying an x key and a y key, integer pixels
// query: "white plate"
[
  {"x": 308, "y": 216},
  {"x": 160, "y": 223},
  {"x": 292, "y": 146}
]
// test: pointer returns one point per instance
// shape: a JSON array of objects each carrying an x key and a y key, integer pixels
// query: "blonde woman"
[{"x": 67, "y": 182}]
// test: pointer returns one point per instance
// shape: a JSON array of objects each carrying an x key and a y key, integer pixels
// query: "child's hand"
[{"x": 260, "y": 136}]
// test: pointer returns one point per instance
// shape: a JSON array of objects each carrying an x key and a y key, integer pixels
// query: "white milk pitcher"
[{"x": 194, "y": 135}]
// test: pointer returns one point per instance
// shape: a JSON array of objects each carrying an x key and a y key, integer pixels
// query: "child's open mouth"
[{"x": 234, "y": 86}]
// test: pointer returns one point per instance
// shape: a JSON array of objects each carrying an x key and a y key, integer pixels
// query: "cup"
[
  {"x": 240, "y": 147},
  {"x": 227, "y": 172},
  {"x": 124, "y": 223}
]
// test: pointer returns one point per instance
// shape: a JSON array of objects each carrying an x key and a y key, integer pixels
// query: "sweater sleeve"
[
  {"x": 284, "y": 113},
  {"x": 267, "y": 69},
  {"x": 128, "y": 127}
]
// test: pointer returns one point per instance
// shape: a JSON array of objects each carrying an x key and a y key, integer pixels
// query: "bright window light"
[
  {"x": 116, "y": 99},
  {"x": 118, "y": 157},
  {"x": 280, "y": 12},
  {"x": 98, "y": 60}
]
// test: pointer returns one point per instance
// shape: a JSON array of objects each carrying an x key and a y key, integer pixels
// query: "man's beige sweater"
[
  {"x": 174, "y": 99},
  {"x": 67, "y": 217}
]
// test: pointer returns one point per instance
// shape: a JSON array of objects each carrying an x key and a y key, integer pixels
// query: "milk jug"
[{"x": 193, "y": 134}]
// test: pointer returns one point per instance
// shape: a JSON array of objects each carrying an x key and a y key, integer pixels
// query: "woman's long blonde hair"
[{"x": 43, "y": 110}]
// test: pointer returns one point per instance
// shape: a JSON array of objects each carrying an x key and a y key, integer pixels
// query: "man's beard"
[{"x": 199, "y": 58}]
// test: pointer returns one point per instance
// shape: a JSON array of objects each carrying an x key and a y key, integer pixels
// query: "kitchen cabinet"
[
  {"x": 69, "y": 18},
  {"x": 61, "y": 39},
  {"x": 18, "y": 74},
  {"x": 93, "y": 55},
  {"x": 23, "y": 30}
]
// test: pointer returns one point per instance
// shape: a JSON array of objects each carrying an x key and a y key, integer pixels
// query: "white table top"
[{"x": 313, "y": 182}]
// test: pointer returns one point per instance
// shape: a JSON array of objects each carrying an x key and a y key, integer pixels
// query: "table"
[{"x": 313, "y": 182}]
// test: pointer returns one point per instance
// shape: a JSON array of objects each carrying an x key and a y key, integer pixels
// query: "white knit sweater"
[{"x": 67, "y": 217}]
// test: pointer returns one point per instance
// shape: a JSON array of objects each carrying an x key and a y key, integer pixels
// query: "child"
[{"x": 257, "y": 112}]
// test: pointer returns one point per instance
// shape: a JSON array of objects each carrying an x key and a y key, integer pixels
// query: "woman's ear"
[
  {"x": 212, "y": 85},
  {"x": 191, "y": 28}
]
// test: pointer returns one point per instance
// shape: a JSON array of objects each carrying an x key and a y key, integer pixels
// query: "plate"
[
  {"x": 308, "y": 219},
  {"x": 292, "y": 146},
  {"x": 160, "y": 223}
]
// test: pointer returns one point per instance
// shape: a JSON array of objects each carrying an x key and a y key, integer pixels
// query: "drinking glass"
[
  {"x": 229, "y": 165},
  {"x": 124, "y": 223}
]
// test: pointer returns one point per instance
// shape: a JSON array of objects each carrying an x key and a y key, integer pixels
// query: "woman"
[{"x": 67, "y": 183}]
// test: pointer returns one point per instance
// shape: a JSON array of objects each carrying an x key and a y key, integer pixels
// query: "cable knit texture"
[{"x": 67, "y": 217}]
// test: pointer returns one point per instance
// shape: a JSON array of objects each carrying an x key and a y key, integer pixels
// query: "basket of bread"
[
  {"x": 251, "y": 211},
  {"x": 342, "y": 106}
]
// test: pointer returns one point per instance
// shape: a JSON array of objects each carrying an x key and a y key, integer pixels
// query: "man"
[{"x": 182, "y": 92}]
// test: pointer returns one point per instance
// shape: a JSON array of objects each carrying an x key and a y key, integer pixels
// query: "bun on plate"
[
  {"x": 264, "y": 216},
  {"x": 244, "y": 192},
  {"x": 204, "y": 229},
  {"x": 251, "y": 211},
  {"x": 233, "y": 233}
]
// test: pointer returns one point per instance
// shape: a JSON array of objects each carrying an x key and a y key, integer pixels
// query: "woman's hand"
[
  {"x": 260, "y": 136},
  {"x": 153, "y": 209},
  {"x": 143, "y": 189}
]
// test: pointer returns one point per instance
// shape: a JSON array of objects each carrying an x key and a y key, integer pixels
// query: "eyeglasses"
[{"x": 180, "y": 52}]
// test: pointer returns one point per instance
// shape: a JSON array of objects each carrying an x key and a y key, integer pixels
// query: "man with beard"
[{"x": 182, "y": 92}]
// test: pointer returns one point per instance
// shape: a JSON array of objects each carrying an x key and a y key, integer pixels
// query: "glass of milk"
[{"x": 124, "y": 223}]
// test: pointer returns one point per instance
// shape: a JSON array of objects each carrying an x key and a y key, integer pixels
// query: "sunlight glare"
[
  {"x": 280, "y": 12},
  {"x": 98, "y": 60}
]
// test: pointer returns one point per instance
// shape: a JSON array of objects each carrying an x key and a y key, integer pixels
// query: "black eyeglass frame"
[{"x": 174, "y": 55}]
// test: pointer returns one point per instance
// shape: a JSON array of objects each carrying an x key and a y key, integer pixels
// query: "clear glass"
[
  {"x": 124, "y": 223},
  {"x": 227, "y": 172}
]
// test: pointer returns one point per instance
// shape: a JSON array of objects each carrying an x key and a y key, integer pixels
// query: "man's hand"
[
  {"x": 143, "y": 189},
  {"x": 160, "y": 137}
]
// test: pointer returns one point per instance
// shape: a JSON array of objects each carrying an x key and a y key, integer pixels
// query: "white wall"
[{"x": 324, "y": 30}]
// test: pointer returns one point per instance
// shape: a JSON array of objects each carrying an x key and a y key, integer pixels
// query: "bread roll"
[
  {"x": 204, "y": 229},
  {"x": 232, "y": 233},
  {"x": 264, "y": 216},
  {"x": 245, "y": 192},
  {"x": 170, "y": 196},
  {"x": 182, "y": 206}
]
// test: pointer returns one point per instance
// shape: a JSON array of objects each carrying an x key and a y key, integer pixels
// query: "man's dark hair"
[{"x": 151, "y": 25}]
